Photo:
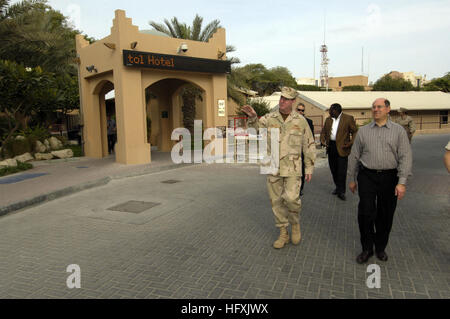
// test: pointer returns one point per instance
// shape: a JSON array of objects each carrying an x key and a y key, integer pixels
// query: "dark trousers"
[
  {"x": 111, "y": 142},
  {"x": 303, "y": 173},
  {"x": 377, "y": 203},
  {"x": 338, "y": 167}
]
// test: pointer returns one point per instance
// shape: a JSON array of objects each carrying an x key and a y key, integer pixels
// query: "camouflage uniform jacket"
[
  {"x": 408, "y": 125},
  {"x": 295, "y": 138}
]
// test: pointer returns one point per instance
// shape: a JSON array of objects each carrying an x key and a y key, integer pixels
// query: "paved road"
[{"x": 210, "y": 235}]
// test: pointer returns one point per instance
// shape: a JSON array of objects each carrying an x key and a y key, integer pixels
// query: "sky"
[{"x": 363, "y": 37}]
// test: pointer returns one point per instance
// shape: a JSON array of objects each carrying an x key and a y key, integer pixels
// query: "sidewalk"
[{"x": 52, "y": 179}]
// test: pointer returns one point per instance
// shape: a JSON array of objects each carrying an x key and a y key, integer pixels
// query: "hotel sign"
[{"x": 174, "y": 62}]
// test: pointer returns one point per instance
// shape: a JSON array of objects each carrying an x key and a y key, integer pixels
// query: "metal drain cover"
[
  {"x": 133, "y": 206},
  {"x": 171, "y": 181}
]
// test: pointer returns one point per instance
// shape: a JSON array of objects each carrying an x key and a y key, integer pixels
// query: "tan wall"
[
  {"x": 317, "y": 115},
  {"x": 130, "y": 83},
  {"x": 333, "y": 82},
  {"x": 424, "y": 120}
]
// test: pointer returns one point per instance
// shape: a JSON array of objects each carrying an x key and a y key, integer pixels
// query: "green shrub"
[
  {"x": 12, "y": 170},
  {"x": 4, "y": 126},
  {"x": 15, "y": 147},
  {"x": 353, "y": 88},
  {"x": 260, "y": 106},
  {"x": 38, "y": 133},
  {"x": 77, "y": 150}
]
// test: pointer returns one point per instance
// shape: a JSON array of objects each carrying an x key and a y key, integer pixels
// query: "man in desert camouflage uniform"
[
  {"x": 284, "y": 182},
  {"x": 407, "y": 122}
]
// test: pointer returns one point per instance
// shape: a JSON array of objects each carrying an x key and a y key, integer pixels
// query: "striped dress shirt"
[{"x": 381, "y": 148}]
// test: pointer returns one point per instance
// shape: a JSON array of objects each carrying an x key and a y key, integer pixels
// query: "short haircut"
[
  {"x": 301, "y": 104},
  {"x": 337, "y": 107}
]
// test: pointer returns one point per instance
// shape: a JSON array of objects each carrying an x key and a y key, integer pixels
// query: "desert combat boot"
[
  {"x": 296, "y": 234},
  {"x": 283, "y": 239}
]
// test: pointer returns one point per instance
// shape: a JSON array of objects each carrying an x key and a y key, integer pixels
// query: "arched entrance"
[
  {"x": 95, "y": 123},
  {"x": 164, "y": 106}
]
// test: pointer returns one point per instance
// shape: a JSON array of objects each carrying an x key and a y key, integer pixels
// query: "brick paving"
[{"x": 211, "y": 237}]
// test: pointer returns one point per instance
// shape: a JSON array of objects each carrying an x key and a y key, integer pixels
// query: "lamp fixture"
[
  {"x": 91, "y": 68},
  {"x": 183, "y": 48},
  {"x": 111, "y": 46},
  {"x": 133, "y": 45}
]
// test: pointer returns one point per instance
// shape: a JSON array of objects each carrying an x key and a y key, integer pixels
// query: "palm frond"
[
  {"x": 209, "y": 30},
  {"x": 196, "y": 27},
  {"x": 173, "y": 33},
  {"x": 160, "y": 27}
]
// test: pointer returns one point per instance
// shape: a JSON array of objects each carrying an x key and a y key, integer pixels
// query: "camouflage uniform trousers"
[{"x": 284, "y": 193}]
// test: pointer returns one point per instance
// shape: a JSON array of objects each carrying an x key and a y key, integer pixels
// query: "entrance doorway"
[{"x": 168, "y": 108}]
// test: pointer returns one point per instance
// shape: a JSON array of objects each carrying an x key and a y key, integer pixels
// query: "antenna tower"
[{"x": 324, "y": 64}]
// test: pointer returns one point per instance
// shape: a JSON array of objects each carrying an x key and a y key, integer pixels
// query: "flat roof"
[{"x": 410, "y": 100}]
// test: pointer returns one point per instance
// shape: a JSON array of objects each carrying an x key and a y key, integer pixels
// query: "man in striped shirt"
[{"x": 379, "y": 165}]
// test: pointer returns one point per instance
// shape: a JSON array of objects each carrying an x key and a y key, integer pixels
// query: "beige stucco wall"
[
  {"x": 333, "y": 82},
  {"x": 130, "y": 83},
  {"x": 317, "y": 115}
]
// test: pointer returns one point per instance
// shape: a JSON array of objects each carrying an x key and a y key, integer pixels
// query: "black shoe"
[
  {"x": 341, "y": 196},
  {"x": 334, "y": 192},
  {"x": 301, "y": 193},
  {"x": 382, "y": 256},
  {"x": 364, "y": 256}
]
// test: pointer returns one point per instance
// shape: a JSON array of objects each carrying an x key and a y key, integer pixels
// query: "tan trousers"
[{"x": 284, "y": 193}]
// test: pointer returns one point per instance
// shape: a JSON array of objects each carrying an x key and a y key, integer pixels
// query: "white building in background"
[
  {"x": 415, "y": 79},
  {"x": 307, "y": 81}
]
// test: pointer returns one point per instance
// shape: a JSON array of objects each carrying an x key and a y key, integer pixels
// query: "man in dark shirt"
[
  {"x": 379, "y": 165},
  {"x": 301, "y": 110}
]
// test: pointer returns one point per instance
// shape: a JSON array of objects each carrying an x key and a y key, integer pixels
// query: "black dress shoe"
[
  {"x": 364, "y": 256},
  {"x": 334, "y": 192},
  {"x": 341, "y": 196},
  {"x": 382, "y": 256}
]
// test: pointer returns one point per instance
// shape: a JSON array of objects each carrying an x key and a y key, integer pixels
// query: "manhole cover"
[
  {"x": 133, "y": 206},
  {"x": 170, "y": 181}
]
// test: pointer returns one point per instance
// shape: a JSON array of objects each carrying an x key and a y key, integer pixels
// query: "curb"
[
  {"x": 53, "y": 195},
  {"x": 81, "y": 187}
]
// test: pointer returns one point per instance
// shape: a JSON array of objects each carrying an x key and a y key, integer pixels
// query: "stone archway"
[
  {"x": 164, "y": 108},
  {"x": 95, "y": 131}
]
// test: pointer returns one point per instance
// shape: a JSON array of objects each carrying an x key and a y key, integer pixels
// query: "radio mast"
[{"x": 325, "y": 60}]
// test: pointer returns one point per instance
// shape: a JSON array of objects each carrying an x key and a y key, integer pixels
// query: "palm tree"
[
  {"x": 34, "y": 34},
  {"x": 182, "y": 31},
  {"x": 195, "y": 32}
]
